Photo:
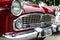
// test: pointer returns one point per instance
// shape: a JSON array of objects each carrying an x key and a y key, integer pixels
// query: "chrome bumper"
[
  {"x": 22, "y": 37},
  {"x": 31, "y": 35}
]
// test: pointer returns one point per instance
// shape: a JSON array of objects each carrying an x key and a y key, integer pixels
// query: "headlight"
[
  {"x": 16, "y": 7},
  {"x": 18, "y": 24}
]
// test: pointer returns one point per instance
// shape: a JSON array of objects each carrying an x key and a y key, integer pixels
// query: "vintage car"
[{"x": 19, "y": 21}]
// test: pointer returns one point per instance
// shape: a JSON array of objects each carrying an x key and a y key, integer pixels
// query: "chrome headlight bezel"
[
  {"x": 16, "y": 27},
  {"x": 18, "y": 24},
  {"x": 16, "y": 7}
]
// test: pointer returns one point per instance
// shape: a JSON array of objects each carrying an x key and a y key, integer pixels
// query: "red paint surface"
[
  {"x": 33, "y": 5},
  {"x": 5, "y": 3},
  {"x": 6, "y": 22},
  {"x": 42, "y": 9}
]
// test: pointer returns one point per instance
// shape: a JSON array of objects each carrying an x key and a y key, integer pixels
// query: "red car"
[{"x": 24, "y": 21}]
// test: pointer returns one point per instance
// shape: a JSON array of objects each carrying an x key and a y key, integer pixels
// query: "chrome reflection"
[{"x": 4, "y": 9}]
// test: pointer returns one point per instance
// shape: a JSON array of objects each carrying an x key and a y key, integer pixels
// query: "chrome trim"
[
  {"x": 20, "y": 7},
  {"x": 23, "y": 37},
  {"x": 49, "y": 14},
  {"x": 27, "y": 36},
  {"x": 31, "y": 14},
  {"x": 4, "y": 9}
]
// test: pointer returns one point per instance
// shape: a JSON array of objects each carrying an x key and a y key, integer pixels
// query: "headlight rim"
[
  {"x": 16, "y": 24},
  {"x": 21, "y": 8},
  {"x": 14, "y": 27}
]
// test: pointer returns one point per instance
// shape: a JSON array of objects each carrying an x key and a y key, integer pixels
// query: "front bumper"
[
  {"x": 42, "y": 34},
  {"x": 22, "y": 37}
]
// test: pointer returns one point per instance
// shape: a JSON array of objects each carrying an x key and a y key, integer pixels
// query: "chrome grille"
[
  {"x": 46, "y": 19},
  {"x": 31, "y": 19},
  {"x": 34, "y": 20}
]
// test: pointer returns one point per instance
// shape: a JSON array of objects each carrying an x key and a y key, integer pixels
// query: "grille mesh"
[
  {"x": 46, "y": 19},
  {"x": 31, "y": 19},
  {"x": 36, "y": 20}
]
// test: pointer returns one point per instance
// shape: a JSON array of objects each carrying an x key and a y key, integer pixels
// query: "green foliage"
[
  {"x": 49, "y": 2},
  {"x": 0, "y": 35}
]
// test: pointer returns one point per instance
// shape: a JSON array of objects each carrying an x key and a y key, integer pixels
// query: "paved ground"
[{"x": 54, "y": 37}]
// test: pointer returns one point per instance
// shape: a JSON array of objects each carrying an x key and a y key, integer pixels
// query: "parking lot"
[{"x": 56, "y": 36}]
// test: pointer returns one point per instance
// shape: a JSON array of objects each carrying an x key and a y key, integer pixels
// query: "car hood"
[
  {"x": 29, "y": 8},
  {"x": 5, "y": 3},
  {"x": 33, "y": 5}
]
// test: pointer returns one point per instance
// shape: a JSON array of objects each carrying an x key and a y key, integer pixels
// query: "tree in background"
[
  {"x": 48, "y": 2},
  {"x": 53, "y": 2}
]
